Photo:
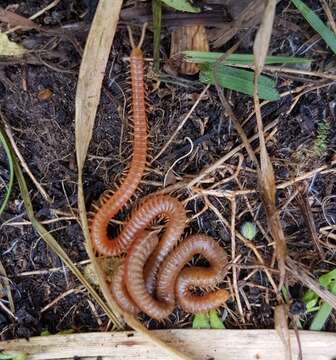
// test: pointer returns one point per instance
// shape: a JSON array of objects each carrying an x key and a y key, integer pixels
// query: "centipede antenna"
[
  {"x": 142, "y": 38},
  {"x": 130, "y": 35},
  {"x": 143, "y": 32}
]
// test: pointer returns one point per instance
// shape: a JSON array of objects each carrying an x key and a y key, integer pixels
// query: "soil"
[{"x": 38, "y": 102}]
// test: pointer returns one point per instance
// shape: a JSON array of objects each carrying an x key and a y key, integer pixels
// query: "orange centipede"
[
  {"x": 153, "y": 277},
  {"x": 111, "y": 204}
]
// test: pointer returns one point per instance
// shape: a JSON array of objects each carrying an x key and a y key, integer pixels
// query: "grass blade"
[
  {"x": 182, "y": 5},
  {"x": 157, "y": 15},
  {"x": 5, "y": 145},
  {"x": 239, "y": 80},
  {"x": 317, "y": 24},
  {"x": 323, "y": 314},
  {"x": 200, "y": 57}
]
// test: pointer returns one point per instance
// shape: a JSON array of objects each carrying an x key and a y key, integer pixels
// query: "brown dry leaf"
[
  {"x": 13, "y": 19},
  {"x": 89, "y": 87},
  {"x": 91, "y": 74},
  {"x": 263, "y": 37},
  {"x": 266, "y": 178},
  {"x": 45, "y": 94},
  {"x": 281, "y": 326}
]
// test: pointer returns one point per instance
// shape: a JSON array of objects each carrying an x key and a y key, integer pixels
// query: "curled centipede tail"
[{"x": 173, "y": 278}]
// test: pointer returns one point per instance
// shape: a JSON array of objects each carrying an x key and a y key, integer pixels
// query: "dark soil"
[{"x": 44, "y": 132}]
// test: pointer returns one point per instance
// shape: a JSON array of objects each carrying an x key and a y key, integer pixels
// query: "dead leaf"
[
  {"x": 91, "y": 74},
  {"x": 263, "y": 37},
  {"x": 10, "y": 48},
  {"x": 281, "y": 326},
  {"x": 13, "y": 19},
  {"x": 266, "y": 178},
  {"x": 45, "y": 94}
]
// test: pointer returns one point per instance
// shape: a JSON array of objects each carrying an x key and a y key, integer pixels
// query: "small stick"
[
  {"x": 226, "y": 157},
  {"x": 233, "y": 256},
  {"x": 36, "y": 15},
  {"x": 308, "y": 217},
  {"x": 291, "y": 71},
  {"x": 62, "y": 296}
]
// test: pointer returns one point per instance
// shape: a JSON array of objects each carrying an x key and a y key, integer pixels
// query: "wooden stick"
[{"x": 199, "y": 344}]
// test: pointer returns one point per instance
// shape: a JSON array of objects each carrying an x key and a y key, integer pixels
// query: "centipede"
[{"x": 154, "y": 276}]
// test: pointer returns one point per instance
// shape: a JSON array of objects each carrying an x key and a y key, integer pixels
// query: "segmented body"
[
  {"x": 152, "y": 278},
  {"x": 111, "y": 204}
]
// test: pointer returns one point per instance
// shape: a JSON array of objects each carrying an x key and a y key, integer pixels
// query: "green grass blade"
[
  {"x": 182, "y": 5},
  {"x": 239, "y": 80},
  {"x": 317, "y": 24},
  {"x": 201, "y": 57},
  {"x": 323, "y": 314},
  {"x": 157, "y": 16},
  {"x": 5, "y": 145}
]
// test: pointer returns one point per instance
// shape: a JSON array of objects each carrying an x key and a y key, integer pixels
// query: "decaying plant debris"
[{"x": 230, "y": 159}]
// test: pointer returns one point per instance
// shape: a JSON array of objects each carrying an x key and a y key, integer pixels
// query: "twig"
[
  {"x": 177, "y": 160},
  {"x": 5, "y": 308},
  {"x": 226, "y": 157},
  {"x": 237, "y": 125},
  {"x": 51, "y": 270},
  {"x": 36, "y": 15},
  {"x": 44, "y": 222},
  {"x": 62, "y": 296},
  {"x": 233, "y": 256},
  {"x": 308, "y": 217},
  {"x": 291, "y": 71},
  {"x": 6, "y": 285}
]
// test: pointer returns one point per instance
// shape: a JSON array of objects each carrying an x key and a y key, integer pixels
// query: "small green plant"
[
  {"x": 249, "y": 230},
  {"x": 321, "y": 141},
  {"x": 12, "y": 355},
  {"x": 314, "y": 303},
  {"x": 207, "y": 320}
]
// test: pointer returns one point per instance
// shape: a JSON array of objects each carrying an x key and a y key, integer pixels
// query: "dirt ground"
[{"x": 46, "y": 295}]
